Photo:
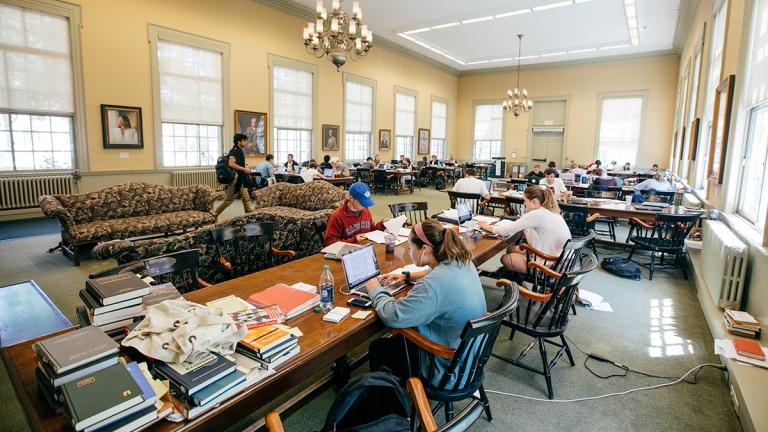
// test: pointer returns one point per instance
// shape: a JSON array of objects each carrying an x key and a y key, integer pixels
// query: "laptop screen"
[
  {"x": 281, "y": 170},
  {"x": 464, "y": 212},
  {"x": 487, "y": 184},
  {"x": 328, "y": 172},
  {"x": 382, "y": 166},
  {"x": 359, "y": 266}
]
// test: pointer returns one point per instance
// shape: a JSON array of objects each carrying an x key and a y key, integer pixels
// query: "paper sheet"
[
  {"x": 594, "y": 301},
  {"x": 292, "y": 330},
  {"x": 725, "y": 348},
  {"x": 305, "y": 287},
  {"x": 338, "y": 247},
  {"x": 379, "y": 237},
  {"x": 393, "y": 225},
  {"x": 229, "y": 304},
  {"x": 487, "y": 219},
  {"x": 361, "y": 314}
]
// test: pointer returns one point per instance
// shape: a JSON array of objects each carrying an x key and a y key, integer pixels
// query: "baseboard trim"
[{"x": 19, "y": 214}]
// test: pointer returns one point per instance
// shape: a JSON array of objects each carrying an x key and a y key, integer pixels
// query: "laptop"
[
  {"x": 382, "y": 166},
  {"x": 463, "y": 213},
  {"x": 360, "y": 266},
  {"x": 328, "y": 172},
  {"x": 568, "y": 177},
  {"x": 281, "y": 169}
]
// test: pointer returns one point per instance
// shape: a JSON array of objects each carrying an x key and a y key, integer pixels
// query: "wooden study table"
[{"x": 323, "y": 343}]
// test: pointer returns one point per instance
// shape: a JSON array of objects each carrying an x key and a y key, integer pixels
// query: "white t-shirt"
[
  {"x": 309, "y": 174},
  {"x": 557, "y": 184},
  {"x": 659, "y": 185},
  {"x": 544, "y": 230},
  {"x": 471, "y": 185}
]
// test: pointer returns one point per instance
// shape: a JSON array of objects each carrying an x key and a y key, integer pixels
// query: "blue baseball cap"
[{"x": 362, "y": 193}]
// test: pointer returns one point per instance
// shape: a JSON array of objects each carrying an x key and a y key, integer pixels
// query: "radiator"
[
  {"x": 22, "y": 192},
  {"x": 724, "y": 260},
  {"x": 690, "y": 200},
  {"x": 188, "y": 178}
]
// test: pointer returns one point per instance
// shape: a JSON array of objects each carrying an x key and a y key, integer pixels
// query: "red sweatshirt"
[{"x": 345, "y": 226}]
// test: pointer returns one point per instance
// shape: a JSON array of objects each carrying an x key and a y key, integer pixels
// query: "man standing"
[{"x": 237, "y": 163}]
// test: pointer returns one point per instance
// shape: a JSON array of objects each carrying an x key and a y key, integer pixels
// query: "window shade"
[
  {"x": 488, "y": 121},
  {"x": 439, "y": 113},
  {"x": 405, "y": 120},
  {"x": 35, "y": 64},
  {"x": 292, "y": 92},
  {"x": 190, "y": 84},
  {"x": 757, "y": 90},
  {"x": 620, "y": 129},
  {"x": 359, "y": 107}
]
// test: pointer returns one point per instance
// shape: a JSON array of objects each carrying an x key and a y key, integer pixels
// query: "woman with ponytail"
[
  {"x": 439, "y": 305},
  {"x": 542, "y": 225}
]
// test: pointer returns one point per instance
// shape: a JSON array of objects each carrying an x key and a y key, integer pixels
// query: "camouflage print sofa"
[{"x": 127, "y": 210}]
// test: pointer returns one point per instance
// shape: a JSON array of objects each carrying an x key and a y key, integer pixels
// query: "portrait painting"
[
  {"x": 423, "y": 148},
  {"x": 330, "y": 137},
  {"x": 254, "y": 126},
  {"x": 121, "y": 127},
  {"x": 385, "y": 138}
]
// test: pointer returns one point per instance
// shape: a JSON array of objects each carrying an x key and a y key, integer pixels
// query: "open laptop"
[
  {"x": 281, "y": 169},
  {"x": 463, "y": 213},
  {"x": 328, "y": 172},
  {"x": 360, "y": 266},
  {"x": 382, "y": 166}
]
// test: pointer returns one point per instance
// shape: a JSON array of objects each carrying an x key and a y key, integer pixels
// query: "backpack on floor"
[
  {"x": 224, "y": 174},
  {"x": 622, "y": 268},
  {"x": 371, "y": 402}
]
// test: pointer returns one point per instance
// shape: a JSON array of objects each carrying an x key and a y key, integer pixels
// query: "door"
[{"x": 547, "y": 133}]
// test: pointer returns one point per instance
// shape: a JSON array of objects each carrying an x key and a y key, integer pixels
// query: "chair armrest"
[
  {"x": 528, "y": 248},
  {"x": 421, "y": 403},
  {"x": 287, "y": 253},
  {"x": 544, "y": 269},
  {"x": 525, "y": 292},
  {"x": 273, "y": 422},
  {"x": 427, "y": 345},
  {"x": 226, "y": 264},
  {"x": 593, "y": 217},
  {"x": 204, "y": 198},
  {"x": 637, "y": 221},
  {"x": 203, "y": 284}
]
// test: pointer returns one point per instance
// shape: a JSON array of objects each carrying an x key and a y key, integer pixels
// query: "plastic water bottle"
[{"x": 326, "y": 289}]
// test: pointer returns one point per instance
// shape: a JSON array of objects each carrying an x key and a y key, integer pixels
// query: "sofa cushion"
[
  {"x": 140, "y": 225},
  {"x": 271, "y": 213},
  {"x": 312, "y": 196}
]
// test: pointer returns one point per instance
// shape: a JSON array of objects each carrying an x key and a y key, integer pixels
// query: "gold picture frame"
[{"x": 721, "y": 122}]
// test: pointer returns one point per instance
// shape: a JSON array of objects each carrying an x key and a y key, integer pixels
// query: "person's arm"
[
  {"x": 509, "y": 228},
  {"x": 379, "y": 225},
  {"x": 641, "y": 186},
  {"x": 416, "y": 308},
  {"x": 270, "y": 171},
  {"x": 233, "y": 164},
  {"x": 485, "y": 193},
  {"x": 334, "y": 230}
]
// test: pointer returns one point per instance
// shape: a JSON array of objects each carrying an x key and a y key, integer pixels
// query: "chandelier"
[
  {"x": 339, "y": 35},
  {"x": 517, "y": 99}
]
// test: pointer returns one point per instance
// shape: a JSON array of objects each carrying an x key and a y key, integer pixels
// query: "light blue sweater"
[{"x": 439, "y": 306}]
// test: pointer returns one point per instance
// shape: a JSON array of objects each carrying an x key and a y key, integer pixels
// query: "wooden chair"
[
  {"x": 467, "y": 361},
  {"x": 383, "y": 182},
  {"x": 179, "y": 268},
  {"x": 244, "y": 249},
  {"x": 545, "y": 317},
  {"x": 415, "y": 212},
  {"x": 320, "y": 227},
  {"x": 364, "y": 176},
  {"x": 611, "y": 222},
  {"x": 670, "y": 195},
  {"x": 540, "y": 263},
  {"x": 294, "y": 179},
  {"x": 475, "y": 201},
  {"x": 666, "y": 236},
  {"x": 579, "y": 221}
]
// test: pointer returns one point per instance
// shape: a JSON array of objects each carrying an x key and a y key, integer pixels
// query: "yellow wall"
[
  {"x": 581, "y": 84},
  {"x": 116, "y": 67}
]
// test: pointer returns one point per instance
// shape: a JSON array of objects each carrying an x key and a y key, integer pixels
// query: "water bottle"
[{"x": 326, "y": 289}]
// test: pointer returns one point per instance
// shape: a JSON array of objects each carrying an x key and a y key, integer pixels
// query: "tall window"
[
  {"x": 619, "y": 138},
  {"x": 37, "y": 103},
  {"x": 488, "y": 130},
  {"x": 713, "y": 80},
  {"x": 439, "y": 126},
  {"x": 405, "y": 123},
  {"x": 292, "y": 113},
  {"x": 753, "y": 201},
  {"x": 694, "y": 87},
  {"x": 191, "y": 105},
  {"x": 358, "y": 120}
]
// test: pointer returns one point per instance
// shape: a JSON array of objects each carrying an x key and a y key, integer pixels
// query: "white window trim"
[
  {"x": 73, "y": 14},
  {"x": 641, "y": 137},
  {"x": 445, "y": 101},
  {"x": 415, "y": 95},
  {"x": 155, "y": 33},
  {"x": 477, "y": 102},
  {"x": 276, "y": 60},
  {"x": 346, "y": 76}
]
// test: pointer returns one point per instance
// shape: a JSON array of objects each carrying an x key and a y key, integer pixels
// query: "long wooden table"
[{"x": 322, "y": 344}]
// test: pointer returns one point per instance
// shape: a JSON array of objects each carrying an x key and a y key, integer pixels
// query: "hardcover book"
[
  {"x": 95, "y": 307},
  {"x": 160, "y": 293},
  {"x": 263, "y": 338},
  {"x": 291, "y": 301},
  {"x": 113, "y": 289},
  {"x": 259, "y": 316},
  {"x": 749, "y": 348},
  {"x": 216, "y": 389},
  {"x": 76, "y": 348},
  {"x": 121, "y": 419},
  {"x": 198, "y": 378}
]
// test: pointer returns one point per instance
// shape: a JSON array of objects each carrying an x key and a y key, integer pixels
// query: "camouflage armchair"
[{"x": 125, "y": 211}]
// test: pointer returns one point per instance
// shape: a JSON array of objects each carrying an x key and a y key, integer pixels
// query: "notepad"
[
  {"x": 336, "y": 314},
  {"x": 380, "y": 237}
]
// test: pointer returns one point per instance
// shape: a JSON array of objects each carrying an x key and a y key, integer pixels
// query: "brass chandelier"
[
  {"x": 339, "y": 35},
  {"x": 517, "y": 99}
]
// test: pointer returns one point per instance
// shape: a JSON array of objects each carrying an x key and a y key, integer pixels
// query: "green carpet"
[{"x": 657, "y": 327}]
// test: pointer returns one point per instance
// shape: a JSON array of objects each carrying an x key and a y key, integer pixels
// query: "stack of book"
[
  {"x": 69, "y": 357},
  {"x": 269, "y": 345},
  {"x": 257, "y": 316},
  {"x": 741, "y": 323},
  {"x": 112, "y": 302},
  {"x": 291, "y": 301},
  {"x": 202, "y": 384}
]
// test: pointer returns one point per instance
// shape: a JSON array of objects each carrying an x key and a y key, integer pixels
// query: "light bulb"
[
  {"x": 352, "y": 27},
  {"x": 319, "y": 25},
  {"x": 334, "y": 25},
  {"x": 335, "y": 4},
  {"x": 319, "y": 7},
  {"x": 370, "y": 36}
]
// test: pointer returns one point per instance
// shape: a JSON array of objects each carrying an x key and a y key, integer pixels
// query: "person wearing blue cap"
[{"x": 352, "y": 219}]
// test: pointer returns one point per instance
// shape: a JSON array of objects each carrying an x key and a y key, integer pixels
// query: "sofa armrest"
[
  {"x": 204, "y": 198},
  {"x": 52, "y": 207},
  {"x": 266, "y": 197}
]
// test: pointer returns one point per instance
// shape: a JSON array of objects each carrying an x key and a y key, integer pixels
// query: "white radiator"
[
  {"x": 188, "y": 178},
  {"x": 22, "y": 192},
  {"x": 724, "y": 260}
]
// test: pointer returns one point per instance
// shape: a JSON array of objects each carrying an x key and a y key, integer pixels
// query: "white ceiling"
[{"x": 599, "y": 27}]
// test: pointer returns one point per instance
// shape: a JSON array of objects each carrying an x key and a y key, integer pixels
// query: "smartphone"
[{"x": 359, "y": 302}]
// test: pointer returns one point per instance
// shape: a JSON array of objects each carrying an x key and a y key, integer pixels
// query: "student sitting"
[
  {"x": 434, "y": 161},
  {"x": 326, "y": 163},
  {"x": 266, "y": 169},
  {"x": 613, "y": 166},
  {"x": 291, "y": 165},
  {"x": 655, "y": 183},
  {"x": 594, "y": 165},
  {"x": 551, "y": 182},
  {"x": 602, "y": 181},
  {"x": 655, "y": 168},
  {"x": 439, "y": 305},
  {"x": 368, "y": 164},
  {"x": 542, "y": 224},
  {"x": 376, "y": 160},
  {"x": 352, "y": 219},
  {"x": 311, "y": 172},
  {"x": 627, "y": 167},
  {"x": 535, "y": 175},
  {"x": 471, "y": 184},
  {"x": 339, "y": 168}
]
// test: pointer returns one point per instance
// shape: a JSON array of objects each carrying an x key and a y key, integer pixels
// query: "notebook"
[{"x": 290, "y": 300}]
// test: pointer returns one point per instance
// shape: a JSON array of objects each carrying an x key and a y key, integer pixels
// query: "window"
[
  {"x": 405, "y": 124},
  {"x": 37, "y": 91},
  {"x": 190, "y": 89},
  {"x": 691, "y": 111},
  {"x": 293, "y": 112},
  {"x": 439, "y": 126},
  {"x": 488, "y": 131},
  {"x": 358, "y": 120},
  {"x": 619, "y": 134}
]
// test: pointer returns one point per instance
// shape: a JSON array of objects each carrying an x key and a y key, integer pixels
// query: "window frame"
[
  {"x": 443, "y": 101},
  {"x": 286, "y": 62},
  {"x": 415, "y": 95},
  {"x": 499, "y": 102},
  {"x": 72, "y": 12},
  {"x": 155, "y": 34},
  {"x": 349, "y": 77},
  {"x": 643, "y": 110},
  {"x": 750, "y": 114}
]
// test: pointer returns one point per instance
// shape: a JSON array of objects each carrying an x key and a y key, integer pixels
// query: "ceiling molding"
[
  {"x": 308, "y": 14},
  {"x": 613, "y": 59},
  {"x": 684, "y": 19}
]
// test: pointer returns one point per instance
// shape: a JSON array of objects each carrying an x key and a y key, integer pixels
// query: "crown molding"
[
  {"x": 308, "y": 14},
  {"x": 684, "y": 19}
]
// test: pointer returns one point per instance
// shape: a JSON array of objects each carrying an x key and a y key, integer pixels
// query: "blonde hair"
[
  {"x": 545, "y": 196},
  {"x": 447, "y": 245}
]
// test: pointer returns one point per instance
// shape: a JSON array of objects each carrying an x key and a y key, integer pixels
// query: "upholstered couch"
[{"x": 125, "y": 211}]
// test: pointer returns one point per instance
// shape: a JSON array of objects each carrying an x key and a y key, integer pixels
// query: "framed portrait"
[
  {"x": 330, "y": 137},
  {"x": 721, "y": 122},
  {"x": 254, "y": 125},
  {"x": 693, "y": 146},
  {"x": 423, "y": 141},
  {"x": 121, "y": 127},
  {"x": 385, "y": 139}
]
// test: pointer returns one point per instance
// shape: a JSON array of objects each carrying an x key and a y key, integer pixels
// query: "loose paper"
[
  {"x": 486, "y": 219},
  {"x": 229, "y": 304},
  {"x": 339, "y": 248},
  {"x": 725, "y": 348},
  {"x": 361, "y": 314},
  {"x": 305, "y": 287},
  {"x": 594, "y": 301},
  {"x": 379, "y": 237},
  {"x": 393, "y": 225},
  {"x": 292, "y": 330}
]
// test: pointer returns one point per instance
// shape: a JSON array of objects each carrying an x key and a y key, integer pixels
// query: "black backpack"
[
  {"x": 224, "y": 174},
  {"x": 371, "y": 402},
  {"x": 622, "y": 267}
]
